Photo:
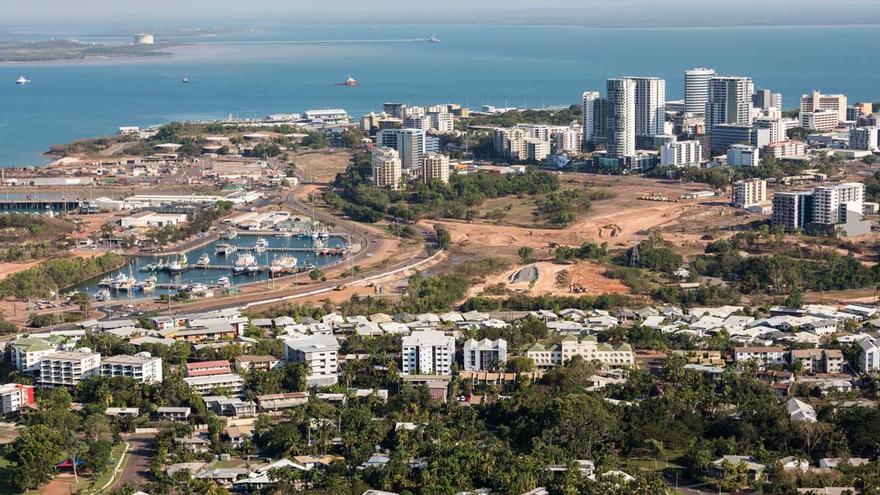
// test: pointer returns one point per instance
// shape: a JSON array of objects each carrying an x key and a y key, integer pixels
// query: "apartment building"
[
  {"x": 387, "y": 168},
  {"x": 816, "y": 101},
  {"x": 442, "y": 122},
  {"x": 26, "y": 353},
  {"x": 229, "y": 383},
  {"x": 537, "y": 149},
  {"x": 681, "y": 154},
  {"x": 792, "y": 210},
  {"x": 869, "y": 356},
  {"x": 621, "y": 117},
  {"x": 14, "y": 396},
  {"x": 820, "y": 120},
  {"x": 819, "y": 360},
  {"x": 436, "y": 168},
  {"x": 141, "y": 367},
  {"x": 742, "y": 155},
  {"x": 319, "y": 353},
  {"x": 256, "y": 363},
  {"x": 786, "y": 149},
  {"x": 749, "y": 192},
  {"x": 696, "y": 89},
  {"x": 762, "y": 355},
  {"x": 427, "y": 352},
  {"x": 830, "y": 203},
  {"x": 484, "y": 355},
  {"x": 68, "y": 368},
  {"x": 588, "y": 348},
  {"x": 207, "y": 368},
  {"x": 864, "y": 138}
]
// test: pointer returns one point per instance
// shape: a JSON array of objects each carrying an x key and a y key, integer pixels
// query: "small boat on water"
[
  {"x": 284, "y": 264},
  {"x": 148, "y": 285},
  {"x": 22, "y": 81},
  {"x": 224, "y": 283},
  {"x": 244, "y": 263},
  {"x": 185, "y": 80},
  {"x": 122, "y": 282},
  {"x": 318, "y": 244},
  {"x": 229, "y": 234},
  {"x": 103, "y": 295},
  {"x": 204, "y": 260},
  {"x": 225, "y": 249},
  {"x": 261, "y": 245},
  {"x": 178, "y": 265},
  {"x": 105, "y": 282}
]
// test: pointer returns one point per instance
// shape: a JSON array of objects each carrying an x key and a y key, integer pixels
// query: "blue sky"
[{"x": 591, "y": 12}]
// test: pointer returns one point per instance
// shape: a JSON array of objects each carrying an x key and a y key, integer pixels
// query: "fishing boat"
[
  {"x": 148, "y": 285},
  {"x": 103, "y": 295},
  {"x": 122, "y": 282},
  {"x": 229, "y": 234},
  {"x": 243, "y": 263},
  {"x": 225, "y": 249},
  {"x": 261, "y": 245},
  {"x": 224, "y": 283},
  {"x": 284, "y": 264},
  {"x": 185, "y": 80},
  {"x": 204, "y": 260},
  {"x": 178, "y": 265}
]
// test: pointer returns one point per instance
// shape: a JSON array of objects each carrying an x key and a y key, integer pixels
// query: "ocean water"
[{"x": 531, "y": 66}]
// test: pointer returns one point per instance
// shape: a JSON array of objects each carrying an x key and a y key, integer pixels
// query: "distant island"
[{"x": 59, "y": 50}]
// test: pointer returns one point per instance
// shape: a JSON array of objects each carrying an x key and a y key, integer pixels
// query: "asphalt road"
[{"x": 137, "y": 466}]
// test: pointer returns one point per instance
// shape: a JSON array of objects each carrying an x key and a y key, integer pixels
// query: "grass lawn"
[
  {"x": 5, "y": 486},
  {"x": 97, "y": 483}
]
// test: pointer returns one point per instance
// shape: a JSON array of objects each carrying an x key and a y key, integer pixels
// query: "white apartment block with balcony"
[
  {"x": 820, "y": 120},
  {"x": 68, "y": 368},
  {"x": 870, "y": 355},
  {"x": 749, "y": 192},
  {"x": 427, "y": 352},
  {"x": 387, "y": 168},
  {"x": 762, "y": 355},
  {"x": 26, "y": 353},
  {"x": 230, "y": 384},
  {"x": 436, "y": 168},
  {"x": 141, "y": 367},
  {"x": 588, "y": 348},
  {"x": 319, "y": 353},
  {"x": 681, "y": 154},
  {"x": 484, "y": 355},
  {"x": 830, "y": 203},
  {"x": 442, "y": 122},
  {"x": 14, "y": 396}
]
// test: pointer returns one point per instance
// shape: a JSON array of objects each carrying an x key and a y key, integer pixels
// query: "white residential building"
[
  {"x": 68, "y": 368},
  {"x": 763, "y": 355},
  {"x": 230, "y": 383},
  {"x": 427, "y": 352},
  {"x": 830, "y": 203},
  {"x": 442, "y": 122},
  {"x": 818, "y": 101},
  {"x": 387, "y": 169},
  {"x": 820, "y": 120},
  {"x": 650, "y": 106},
  {"x": 621, "y": 117},
  {"x": 436, "y": 168},
  {"x": 141, "y": 367},
  {"x": 776, "y": 125},
  {"x": 319, "y": 353},
  {"x": 729, "y": 101},
  {"x": 409, "y": 143},
  {"x": 870, "y": 355},
  {"x": 589, "y": 99},
  {"x": 681, "y": 154},
  {"x": 567, "y": 141},
  {"x": 696, "y": 89},
  {"x": 749, "y": 192},
  {"x": 484, "y": 355},
  {"x": 742, "y": 155},
  {"x": 588, "y": 348},
  {"x": 14, "y": 396},
  {"x": 537, "y": 149},
  {"x": 27, "y": 352}
]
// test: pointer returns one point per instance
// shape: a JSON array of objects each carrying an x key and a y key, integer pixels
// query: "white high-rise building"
[
  {"x": 650, "y": 106},
  {"x": 743, "y": 155},
  {"x": 436, "y": 168},
  {"x": 817, "y": 101},
  {"x": 621, "y": 117},
  {"x": 537, "y": 149},
  {"x": 729, "y": 102},
  {"x": 589, "y": 101},
  {"x": 417, "y": 122},
  {"x": 484, "y": 355},
  {"x": 386, "y": 168},
  {"x": 822, "y": 120},
  {"x": 427, "y": 352},
  {"x": 696, "y": 89},
  {"x": 749, "y": 192},
  {"x": 777, "y": 128},
  {"x": 319, "y": 353},
  {"x": 681, "y": 154},
  {"x": 567, "y": 141},
  {"x": 409, "y": 143},
  {"x": 830, "y": 203},
  {"x": 442, "y": 122}
]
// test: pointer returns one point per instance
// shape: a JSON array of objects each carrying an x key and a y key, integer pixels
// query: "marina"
[{"x": 204, "y": 270}]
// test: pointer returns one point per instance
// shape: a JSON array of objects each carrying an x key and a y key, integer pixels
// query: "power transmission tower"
[{"x": 634, "y": 256}]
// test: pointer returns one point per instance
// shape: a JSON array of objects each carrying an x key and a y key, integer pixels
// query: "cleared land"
[{"x": 321, "y": 166}]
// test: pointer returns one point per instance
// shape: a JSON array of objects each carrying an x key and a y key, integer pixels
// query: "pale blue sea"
[{"x": 530, "y": 66}]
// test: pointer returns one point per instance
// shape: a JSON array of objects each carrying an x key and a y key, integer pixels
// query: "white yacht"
[
  {"x": 229, "y": 234},
  {"x": 261, "y": 245},
  {"x": 122, "y": 282},
  {"x": 21, "y": 81},
  {"x": 225, "y": 249},
  {"x": 285, "y": 264},
  {"x": 148, "y": 285},
  {"x": 244, "y": 263},
  {"x": 224, "y": 283},
  {"x": 103, "y": 295},
  {"x": 204, "y": 260},
  {"x": 178, "y": 265}
]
